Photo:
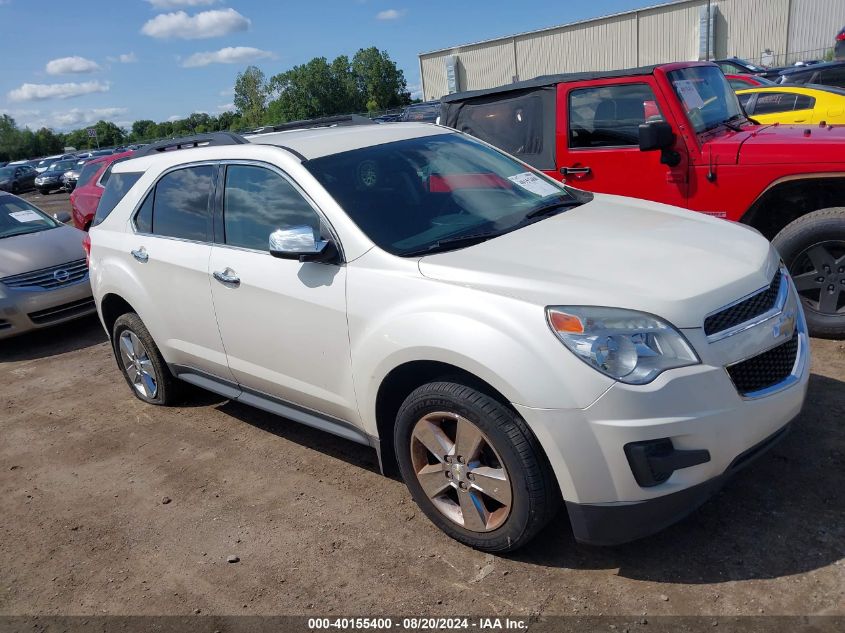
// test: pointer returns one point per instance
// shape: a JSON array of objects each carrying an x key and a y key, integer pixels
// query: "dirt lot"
[{"x": 85, "y": 469}]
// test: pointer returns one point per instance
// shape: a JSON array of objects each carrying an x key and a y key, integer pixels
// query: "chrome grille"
[
  {"x": 49, "y": 278},
  {"x": 745, "y": 310}
]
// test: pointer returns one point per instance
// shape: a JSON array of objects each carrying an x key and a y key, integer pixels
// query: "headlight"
[{"x": 632, "y": 347}]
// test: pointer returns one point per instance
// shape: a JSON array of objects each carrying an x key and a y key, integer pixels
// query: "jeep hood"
[
  {"x": 620, "y": 252},
  {"x": 793, "y": 144}
]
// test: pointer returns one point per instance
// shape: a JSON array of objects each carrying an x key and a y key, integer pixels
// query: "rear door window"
[
  {"x": 775, "y": 102},
  {"x": 610, "y": 116},
  {"x": 88, "y": 172},
  {"x": 117, "y": 187},
  {"x": 833, "y": 77},
  {"x": 180, "y": 205}
]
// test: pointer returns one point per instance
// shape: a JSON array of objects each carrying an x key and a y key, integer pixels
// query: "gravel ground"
[{"x": 110, "y": 506}]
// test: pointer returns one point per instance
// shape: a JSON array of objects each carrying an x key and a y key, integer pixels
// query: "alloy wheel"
[
  {"x": 137, "y": 364},
  {"x": 460, "y": 471},
  {"x": 819, "y": 277}
]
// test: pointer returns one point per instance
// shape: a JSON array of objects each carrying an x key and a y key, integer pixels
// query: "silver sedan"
[{"x": 43, "y": 270}]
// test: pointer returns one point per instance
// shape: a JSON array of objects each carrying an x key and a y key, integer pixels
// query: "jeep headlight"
[{"x": 629, "y": 346}]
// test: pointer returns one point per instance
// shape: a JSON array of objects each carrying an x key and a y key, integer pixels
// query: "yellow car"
[{"x": 783, "y": 103}]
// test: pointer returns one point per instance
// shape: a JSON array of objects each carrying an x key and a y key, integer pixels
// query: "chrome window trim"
[{"x": 776, "y": 309}]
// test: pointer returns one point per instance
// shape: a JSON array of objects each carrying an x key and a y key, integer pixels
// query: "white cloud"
[
  {"x": 390, "y": 14},
  {"x": 416, "y": 91},
  {"x": 63, "y": 119},
  {"x": 173, "y": 4},
  {"x": 174, "y": 117},
  {"x": 124, "y": 58},
  {"x": 227, "y": 93},
  {"x": 74, "y": 64},
  {"x": 77, "y": 116},
  {"x": 40, "y": 92},
  {"x": 228, "y": 55},
  {"x": 193, "y": 27},
  {"x": 226, "y": 107}
]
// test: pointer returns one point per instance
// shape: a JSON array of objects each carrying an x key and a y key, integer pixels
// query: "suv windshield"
[
  {"x": 18, "y": 217},
  {"x": 437, "y": 193},
  {"x": 707, "y": 96}
]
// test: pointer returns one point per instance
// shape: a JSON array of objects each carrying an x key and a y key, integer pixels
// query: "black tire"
[
  {"x": 825, "y": 228},
  {"x": 535, "y": 495},
  {"x": 44, "y": 192},
  {"x": 167, "y": 386}
]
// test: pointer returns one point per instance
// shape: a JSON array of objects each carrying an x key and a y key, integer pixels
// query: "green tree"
[
  {"x": 314, "y": 89},
  {"x": 379, "y": 80},
  {"x": 251, "y": 96},
  {"x": 144, "y": 130}
]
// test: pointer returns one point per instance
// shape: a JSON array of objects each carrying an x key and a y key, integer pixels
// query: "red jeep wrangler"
[{"x": 675, "y": 133}]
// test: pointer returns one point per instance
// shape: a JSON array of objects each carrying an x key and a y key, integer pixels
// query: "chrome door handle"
[
  {"x": 227, "y": 276},
  {"x": 141, "y": 255}
]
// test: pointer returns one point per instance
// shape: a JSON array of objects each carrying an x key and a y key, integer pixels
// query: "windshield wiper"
[
  {"x": 449, "y": 243},
  {"x": 549, "y": 209}
]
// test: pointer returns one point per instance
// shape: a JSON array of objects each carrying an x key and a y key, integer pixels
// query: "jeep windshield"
[
  {"x": 18, "y": 217},
  {"x": 436, "y": 193},
  {"x": 707, "y": 97}
]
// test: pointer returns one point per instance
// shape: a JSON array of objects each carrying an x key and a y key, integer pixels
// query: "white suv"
[{"x": 506, "y": 341}]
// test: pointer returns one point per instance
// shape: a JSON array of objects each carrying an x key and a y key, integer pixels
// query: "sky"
[{"x": 65, "y": 64}]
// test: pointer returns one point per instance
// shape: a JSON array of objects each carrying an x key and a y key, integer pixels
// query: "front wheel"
[
  {"x": 474, "y": 467},
  {"x": 813, "y": 249},
  {"x": 44, "y": 192}
]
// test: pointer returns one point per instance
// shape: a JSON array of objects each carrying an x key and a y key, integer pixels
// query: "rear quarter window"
[{"x": 117, "y": 186}]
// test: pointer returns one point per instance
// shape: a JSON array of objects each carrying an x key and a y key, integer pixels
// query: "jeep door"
[
  {"x": 598, "y": 140},
  {"x": 283, "y": 322}
]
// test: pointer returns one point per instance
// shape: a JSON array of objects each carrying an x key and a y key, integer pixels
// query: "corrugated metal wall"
[
  {"x": 744, "y": 28},
  {"x": 813, "y": 24},
  {"x": 598, "y": 45}
]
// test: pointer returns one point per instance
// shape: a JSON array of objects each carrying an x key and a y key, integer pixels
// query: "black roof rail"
[
  {"x": 186, "y": 142},
  {"x": 341, "y": 120}
]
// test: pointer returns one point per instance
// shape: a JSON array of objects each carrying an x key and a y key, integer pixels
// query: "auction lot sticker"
[
  {"x": 534, "y": 184},
  {"x": 26, "y": 216}
]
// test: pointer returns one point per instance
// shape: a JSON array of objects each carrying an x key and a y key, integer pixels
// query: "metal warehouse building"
[{"x": 775, "y": 32}]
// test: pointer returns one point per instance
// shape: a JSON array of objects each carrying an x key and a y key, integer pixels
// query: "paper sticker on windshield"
[
  {"x": 687, "y": 91},
  {"x": 532, "y": 183},
  {"x": 26, "y": 216}
]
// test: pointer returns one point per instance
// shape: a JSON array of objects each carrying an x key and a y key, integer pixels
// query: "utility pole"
[{"x": 707, "y": 43}]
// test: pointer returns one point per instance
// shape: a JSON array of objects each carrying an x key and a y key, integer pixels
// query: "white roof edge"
[{"x": 555, "y": 27}]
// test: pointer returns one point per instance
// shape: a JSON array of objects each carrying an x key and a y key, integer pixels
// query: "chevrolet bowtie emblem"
[{"x": 785, "y": 326}]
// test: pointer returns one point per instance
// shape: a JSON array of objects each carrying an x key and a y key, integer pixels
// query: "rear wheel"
[
  {"x": 474, "y": 467},
  {"x": 813, "y": 248},
  {"x": 141, "y": 363}
]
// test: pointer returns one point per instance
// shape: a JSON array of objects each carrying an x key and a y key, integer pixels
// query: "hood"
[
  {"x": 772, "y": 144},
  {"x": 42, "y": 249},
  {"x": 618, "y": 252}
]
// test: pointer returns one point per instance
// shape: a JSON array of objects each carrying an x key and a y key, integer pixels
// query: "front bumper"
[
  {"x": 26, "y": 310},
  {"x": 698, "y": 409}
]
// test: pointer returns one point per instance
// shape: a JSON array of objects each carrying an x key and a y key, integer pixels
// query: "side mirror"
[
  {"x": 299, "y": 242},
  {"x": 659, "y": 135},
  {"x": 656, "y": 135},
  {"x": 62, "y": 216}
]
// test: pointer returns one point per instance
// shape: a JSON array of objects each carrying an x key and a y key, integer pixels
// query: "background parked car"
[
  {"x": 51, "y": 179},
  {"x": 17, "y": 178},
  {"x": 426, "y": 112},
  {"x": 71, "y": 176},
  {"x": 743, "y": 82},
  {"x": 738, "y": 66},
  {"x": 794, "y": 104},
  {"x": 43, "y": 272},
  {"x": 45, "y": 163},
  {"x": 839, "y": 47},
  {"x": 89, "y": 189},
  {"x": 827, "y": 74}
]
